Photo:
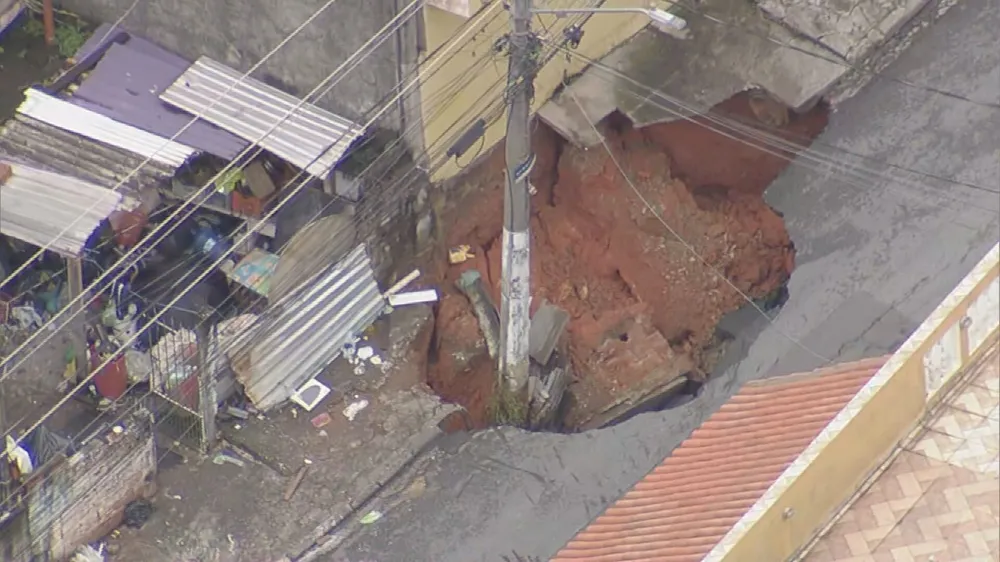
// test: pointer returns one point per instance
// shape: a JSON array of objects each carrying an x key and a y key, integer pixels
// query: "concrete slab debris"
[
  {"x": 547, "y": 326},
  {"x": 796, "y": 59}
]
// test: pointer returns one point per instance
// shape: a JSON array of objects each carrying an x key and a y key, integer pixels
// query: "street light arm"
[
  {"x": 656, "y": 15},
  {"x": 561, "y": 11}
]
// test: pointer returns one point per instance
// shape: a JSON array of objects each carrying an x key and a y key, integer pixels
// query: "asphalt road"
[{"x": 875, "y": 257}]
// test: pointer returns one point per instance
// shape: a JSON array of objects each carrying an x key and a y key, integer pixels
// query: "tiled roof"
[{"x": 684, "y": 507}]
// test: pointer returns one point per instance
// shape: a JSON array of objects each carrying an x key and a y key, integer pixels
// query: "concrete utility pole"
[{"x": 515, "y": 286}]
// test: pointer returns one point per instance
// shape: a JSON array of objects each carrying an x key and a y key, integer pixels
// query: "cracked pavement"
[{"x": 875, "y": 257}]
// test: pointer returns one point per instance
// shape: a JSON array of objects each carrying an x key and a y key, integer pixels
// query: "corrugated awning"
[
  {"x": 39, "y": 205},
  {"x": 310, "y": 138},
  {"x": 79, "y": 120},
  {"x": 298, "y": 337}
]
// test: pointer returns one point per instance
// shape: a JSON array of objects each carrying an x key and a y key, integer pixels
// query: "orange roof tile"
[{"x": 688, "y": 503}]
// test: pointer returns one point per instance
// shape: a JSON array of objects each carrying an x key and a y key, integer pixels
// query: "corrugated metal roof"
[
  {"x": 296, "y": 339},
  {"x": 39, "y": 205},
  {"x": 684, "y": 507},
  {"x": 50, "y": 148},
  {"x": 126, "y": 83},
  {"x": 59, "y": 113},
  {"x": 251, "y": 108}
]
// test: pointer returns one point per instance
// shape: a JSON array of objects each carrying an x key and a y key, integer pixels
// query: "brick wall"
[{"x": 84, "y": 497}]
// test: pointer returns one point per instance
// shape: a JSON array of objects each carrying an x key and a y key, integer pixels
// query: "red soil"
[{"x": 628, "y": 283}]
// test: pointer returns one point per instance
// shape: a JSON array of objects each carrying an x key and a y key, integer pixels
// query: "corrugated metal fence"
[{"x": 304, "y": 333}]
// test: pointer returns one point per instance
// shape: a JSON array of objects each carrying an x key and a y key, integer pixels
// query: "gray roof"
[
  {"x": 45, "y": 147},
  {"x": 53, "y": 210},
  {"x": 126, "y": 83},
  {"x": 307, "y": 136},
  {"x": 302, "y": 333}
]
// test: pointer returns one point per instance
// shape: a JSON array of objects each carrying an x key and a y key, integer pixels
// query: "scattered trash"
[
  {"x": 138, "y": 365},
  {"x": 232, "y": 543},
  {"x": 294, "y": 484},
  {"x": 223, "y": 458},
  {"x": 307, "y": 461},
  {"x": 359, "y": 356},
  {"x": 321, "y": 420},
  {"x": 18, "y": 457},
  {"x": 371, "y": 517},
  {"x": 414, "y": 297},
  {"x": 354, "y": 408},
  {"x": 87, "y": 553},
  {"x": 237, "y": 427},
  {"x": 322, "y": 433},
  {"x": 27, "y": 317},
  {"x": 310, "y": 395},
  {"x": 173, "y": 496},
  {"x": 460, "y": 254},
  {"x": 137, "y": 512}
]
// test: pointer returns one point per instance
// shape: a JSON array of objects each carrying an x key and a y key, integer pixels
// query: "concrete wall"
[
  {"x": 861, "y": 437},
  {"x": 240, "y": 32},
  {"x": 84, "y": 497},
  {"x": 443, "y": 106}
]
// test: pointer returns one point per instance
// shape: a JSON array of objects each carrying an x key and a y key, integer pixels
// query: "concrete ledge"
[
  {"x": 9, "y": 10},
  {"x": 871, "y": 426}
]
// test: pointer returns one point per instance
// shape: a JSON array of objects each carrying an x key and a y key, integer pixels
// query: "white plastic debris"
[
  {"x": 413, "y": 297},
  {"x": 365, "y": 353},
  {"x": 87, "y": 553},
  {"x": 354, "y": 408}
]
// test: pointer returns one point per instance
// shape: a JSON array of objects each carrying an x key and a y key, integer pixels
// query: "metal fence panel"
[{"x": 299, "y": 337}]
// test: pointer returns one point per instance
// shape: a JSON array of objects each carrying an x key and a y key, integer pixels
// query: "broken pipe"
[{"x": 471, "y": 285}]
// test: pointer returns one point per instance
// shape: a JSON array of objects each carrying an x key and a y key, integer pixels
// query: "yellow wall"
[
  {"x": 828, "y": 475},
  {"x": 443, "y": 114}
]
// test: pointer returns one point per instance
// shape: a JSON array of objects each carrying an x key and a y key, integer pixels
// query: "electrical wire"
[
  {"x": 216, "y": 263},
  {"x": 687, "y": 245},
  {"x": 834, "y": 60},
  {"x": 441, "y": 161},
  {"x": 173, "y": 216},
  {"x": 145, "y": 246},
  {"x": 167, "y": 142},
  {"x": 141, "y": 402},
  {"x": 699, "y": 115}
]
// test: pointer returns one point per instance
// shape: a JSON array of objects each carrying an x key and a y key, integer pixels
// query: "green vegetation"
[
  {"x": 71, "y": 33},
  {"x": 508, "y": 407}
]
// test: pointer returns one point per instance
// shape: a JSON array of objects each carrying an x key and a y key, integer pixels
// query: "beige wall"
[
  {"x": 443, "y": 111},
  {"x": 870, "y": 427}
]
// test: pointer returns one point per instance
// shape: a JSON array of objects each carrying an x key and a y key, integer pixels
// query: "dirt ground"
[
  {"x": 24, "y": 61},
  {"x": 637, "y": 296}
]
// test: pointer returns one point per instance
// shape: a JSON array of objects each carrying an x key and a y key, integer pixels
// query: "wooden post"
[
  {"x": 77, "y": 324},
  {"x": 208, "y": 401},
  {"x": 49, "y": 21}
]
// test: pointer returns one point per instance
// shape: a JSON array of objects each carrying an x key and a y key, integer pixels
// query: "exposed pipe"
[{"x": 49, "y": 19}]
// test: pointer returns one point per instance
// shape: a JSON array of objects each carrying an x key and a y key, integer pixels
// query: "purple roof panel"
[{"x": 125, "y": 86}]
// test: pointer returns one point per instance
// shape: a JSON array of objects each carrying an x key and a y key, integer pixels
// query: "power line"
[
  {"x": 836, "y": 60},
  {"x": 215, "y": 264},
  {"x": 195, "y": 118},
  {"x": 188, "y": 203},
  {"x": 699, "y": 115},
  {"x": 687, "y": 245}
]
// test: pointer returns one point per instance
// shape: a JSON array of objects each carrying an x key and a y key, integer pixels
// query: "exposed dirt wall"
[{"x": 636, "y": 289}]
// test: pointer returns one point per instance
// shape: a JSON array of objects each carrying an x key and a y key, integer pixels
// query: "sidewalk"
[{"x": 237, "y": 510}]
